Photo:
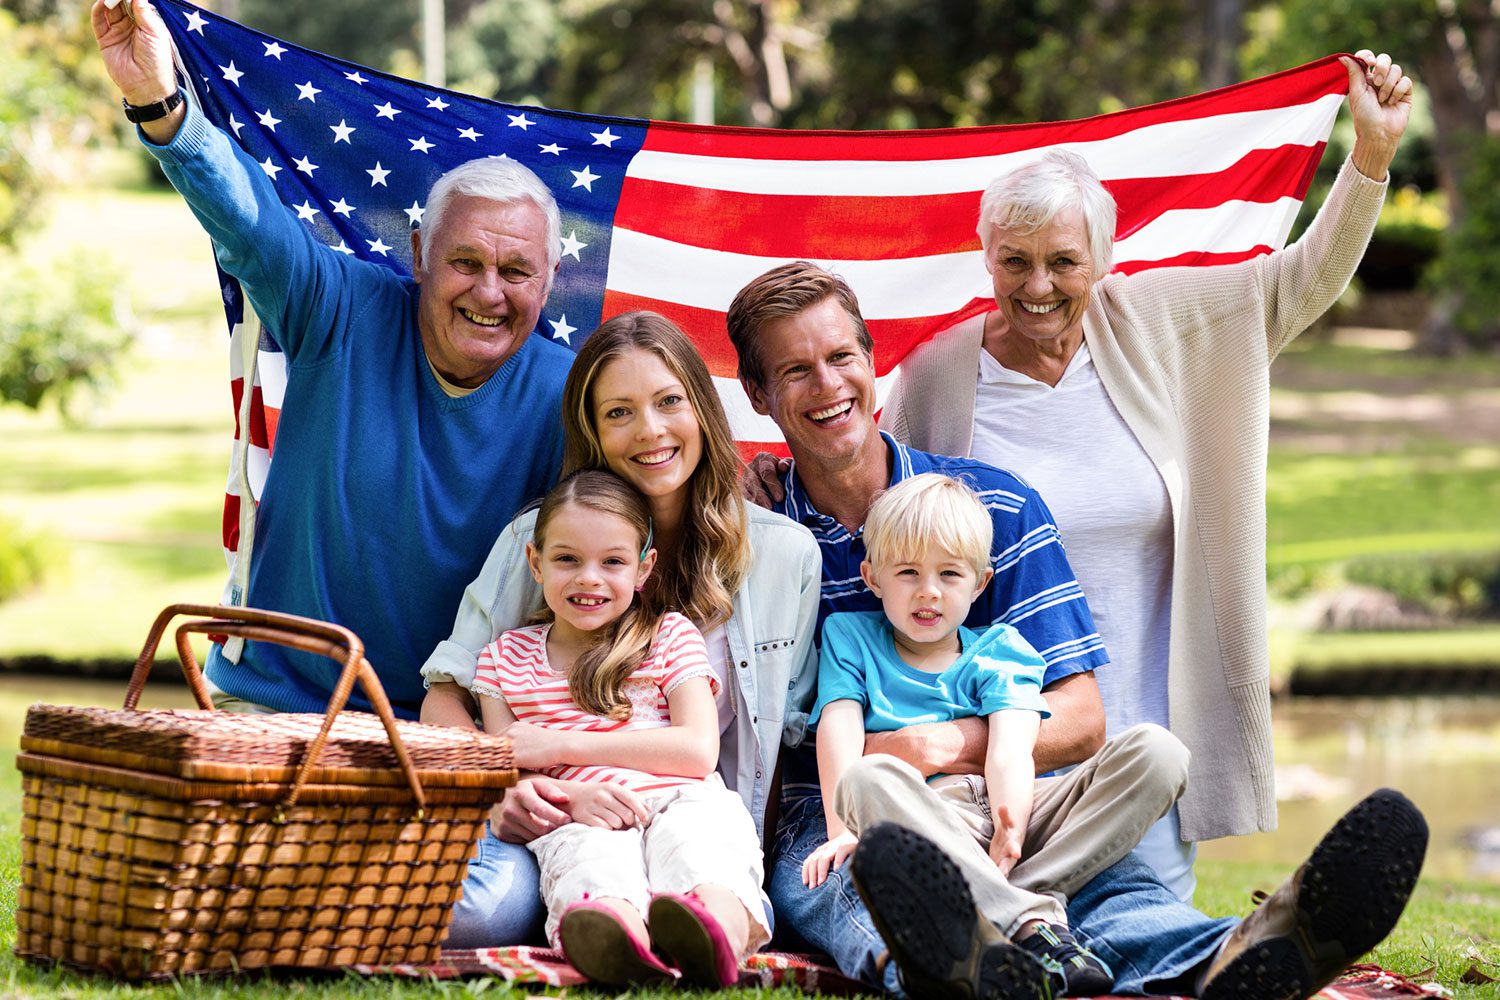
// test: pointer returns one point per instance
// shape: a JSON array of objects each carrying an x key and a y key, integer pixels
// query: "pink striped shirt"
[{"x": 514, "y": 668}]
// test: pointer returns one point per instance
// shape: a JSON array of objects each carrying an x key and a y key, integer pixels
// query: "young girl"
[{"x": 608, "y": 693}]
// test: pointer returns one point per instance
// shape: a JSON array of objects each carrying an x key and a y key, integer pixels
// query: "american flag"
[{"x": 677, "y": 218}]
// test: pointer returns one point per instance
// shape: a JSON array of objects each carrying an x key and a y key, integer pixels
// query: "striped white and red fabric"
[{"x": 676, "y": 218}]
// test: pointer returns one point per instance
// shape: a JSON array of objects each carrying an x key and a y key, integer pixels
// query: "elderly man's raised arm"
[{"x": 289, "y": 276}]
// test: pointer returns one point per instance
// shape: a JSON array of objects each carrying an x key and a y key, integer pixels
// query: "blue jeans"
[
  {"x": 502, "y": 901},
  {"x": 1125, "y": 915}
]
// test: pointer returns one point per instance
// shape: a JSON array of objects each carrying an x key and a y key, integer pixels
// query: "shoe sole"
[
  {"x": 597, "y": 945},
  {"x": 1354, "y": 889},
  {"x": 678, "y": 931},
  {"x": 922, "y": 906}
]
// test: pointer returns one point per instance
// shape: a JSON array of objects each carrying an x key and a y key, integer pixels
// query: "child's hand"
[
  {"x": 826, "y": 858},
  {"x": 611, "y": 807},
  {"x": 1005, "y": 846},
  {"x": 534, "y": 746}
]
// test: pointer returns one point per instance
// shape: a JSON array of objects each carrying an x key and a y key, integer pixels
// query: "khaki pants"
[
  {"x": 1081, "y": 822},
  {"x": 699, "y": 834}
]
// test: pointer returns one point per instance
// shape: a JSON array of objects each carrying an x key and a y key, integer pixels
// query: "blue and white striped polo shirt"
[{"x": 1034, "y": 588}]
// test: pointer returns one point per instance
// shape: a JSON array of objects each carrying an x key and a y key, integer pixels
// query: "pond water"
[{"x": 1442, "y": 752}]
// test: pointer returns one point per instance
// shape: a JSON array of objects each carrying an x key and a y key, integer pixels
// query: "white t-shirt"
[{"x": 1109, "y": 502}]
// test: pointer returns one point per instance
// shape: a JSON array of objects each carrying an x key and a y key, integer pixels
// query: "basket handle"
[{"x": 306, "y": 634}]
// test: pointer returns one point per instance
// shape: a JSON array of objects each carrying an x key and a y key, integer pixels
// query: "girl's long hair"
[
  {"x": 597, "y": 680},
  {"x": 713, "y": 554}
]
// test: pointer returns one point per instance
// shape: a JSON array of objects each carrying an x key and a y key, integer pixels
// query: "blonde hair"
[
  {"x": 928, "y": 510},
  {"x": 713, "y": 554},
  {"x": 597, "y": 681}
]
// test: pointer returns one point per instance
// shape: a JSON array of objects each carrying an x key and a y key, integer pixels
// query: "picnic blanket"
[{"x": 769, "y": 969}]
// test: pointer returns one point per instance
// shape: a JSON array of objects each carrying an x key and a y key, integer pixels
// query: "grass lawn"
[{"x": 1448, "y": 927}]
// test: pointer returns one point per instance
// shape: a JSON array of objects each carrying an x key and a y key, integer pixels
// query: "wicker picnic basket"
[{"x": 163, "y": 843}]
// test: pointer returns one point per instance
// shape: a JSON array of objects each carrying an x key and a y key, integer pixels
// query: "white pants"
[
  {"x": 1081, "y": 822},
  {"x": 698, "y": 834}
]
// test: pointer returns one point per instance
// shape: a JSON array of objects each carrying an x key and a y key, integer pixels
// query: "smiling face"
[
  {"x": 819, "y": 385},
  {"x": 926, "y": 597},
  {"x": 484, "y": 279},
  {"x": 1043, "y": 280},
  {"x": 589, "y": 567},
  {"x": 646, "y": 426}
]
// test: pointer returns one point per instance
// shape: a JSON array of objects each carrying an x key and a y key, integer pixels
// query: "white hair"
[
  {"x": 499, "y": 179},
  {"x": 1029, "y": 197}
]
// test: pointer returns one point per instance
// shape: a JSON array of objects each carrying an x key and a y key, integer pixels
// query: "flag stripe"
[
  {"x": 877, "y": 228},
  {"x": 1210, "y": 144},
  {"x": 1301, "y": 85}
]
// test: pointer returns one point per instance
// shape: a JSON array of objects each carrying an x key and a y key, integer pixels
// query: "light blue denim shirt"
[{"x": 771, "y": 634}]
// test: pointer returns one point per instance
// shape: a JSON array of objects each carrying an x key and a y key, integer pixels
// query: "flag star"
[
  {"x": 470, "y": 134},
  {"x": 605, "y": 138},
  {"x": 196, "y": 21},
  {"x": 571, "y": 245},
  {"x": 437, "y": 103},
  {"x": 270, "y": 168},
  {"x": 414, "y": 213},
  {"x": 273, "y": 49},
  {"x": 355, "y": 78},
  {"x": 305, "y": 211},
  {"x": 226, "y": 292},
  {"x": 343, "y": 247},
  {"x": 236, "y": 125},
  {"x": 584, "y": 178},
  {"x": 378, "y": 175},
  {"x": 561, "y": 330},
  {"x": 552, "y": 148},
  {"x": 378, "y": 245},
  {"x": 420, "y": 144},
  {"x": 306, "y": 166},
  {"x": 386, "y": 111},
  {"x": 268, "y": 120},
  {"x": 342, "y": 131},
  {"x": 307, "y": 92},
  {"x": 231, "y": 74},
  {"x": 520, "y": 121},
  {"x": 342, "y": 207}
]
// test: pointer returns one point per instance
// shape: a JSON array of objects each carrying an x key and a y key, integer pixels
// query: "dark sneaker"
[
  {"x": 923, "y": 909},
  {"x": 1341, "y": 903},
  {"x": 1076, "y": 971}
]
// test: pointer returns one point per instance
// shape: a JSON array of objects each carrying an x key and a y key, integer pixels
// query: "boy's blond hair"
[{"x": 928, "y": 510}]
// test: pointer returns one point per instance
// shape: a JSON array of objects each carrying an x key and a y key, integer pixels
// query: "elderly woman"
[{"x": 1138, "y": 406}]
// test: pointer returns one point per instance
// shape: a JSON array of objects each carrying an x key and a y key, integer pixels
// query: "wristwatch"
[{"x": 151, "y": 112}]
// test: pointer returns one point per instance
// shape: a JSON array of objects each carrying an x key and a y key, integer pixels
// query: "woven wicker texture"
[
  {"x": 192, "y": 743},
  {"x": 156, "y": 844}
]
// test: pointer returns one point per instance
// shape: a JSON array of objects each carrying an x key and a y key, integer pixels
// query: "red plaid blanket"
[{"x": 768, "y": 969}]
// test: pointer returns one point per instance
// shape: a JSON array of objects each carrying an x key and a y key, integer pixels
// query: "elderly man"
[
  {"x": 411, "y": 405},
  {"x": 805, "y": 359}
]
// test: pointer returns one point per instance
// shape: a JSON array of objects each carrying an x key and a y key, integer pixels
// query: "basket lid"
[{"x": 224, "y": 746}]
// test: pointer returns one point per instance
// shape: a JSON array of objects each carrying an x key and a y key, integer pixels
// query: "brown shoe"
[{"x": 1341, "y": 903}]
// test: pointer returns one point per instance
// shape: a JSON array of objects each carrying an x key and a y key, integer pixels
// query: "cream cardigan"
[{"x": 1184, "y": 354}]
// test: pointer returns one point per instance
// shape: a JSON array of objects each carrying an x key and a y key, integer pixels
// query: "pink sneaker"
[
  {"x": 601, "y": 947},
  {"x": 682, "y": 927}
]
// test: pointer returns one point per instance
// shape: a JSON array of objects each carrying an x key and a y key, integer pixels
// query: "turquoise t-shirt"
[{"x": 997, "y": 670}]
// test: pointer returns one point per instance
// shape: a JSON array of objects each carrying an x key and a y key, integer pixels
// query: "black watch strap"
[{"x": 151, "y": 112}]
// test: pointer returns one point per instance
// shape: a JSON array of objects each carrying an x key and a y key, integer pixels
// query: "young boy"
[{"x": 927, "y": 545}]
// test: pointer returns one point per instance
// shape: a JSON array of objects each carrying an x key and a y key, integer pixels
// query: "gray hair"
[
  {"x": 1030, "y": 196},
  {"x": 499, "y": 179}
]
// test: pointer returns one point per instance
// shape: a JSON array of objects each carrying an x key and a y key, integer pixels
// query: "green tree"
[
  {"x": 1452, "y": 48},
  {"x": 58, "y": 331}
]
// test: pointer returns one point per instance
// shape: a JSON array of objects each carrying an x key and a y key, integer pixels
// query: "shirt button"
[
  {"x": 744, "y": 664},
  {"x": 790, "y": 685}
]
